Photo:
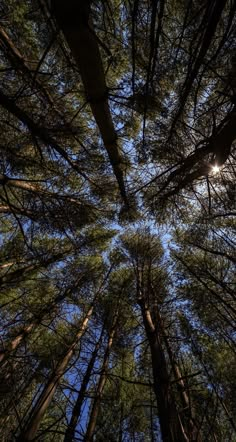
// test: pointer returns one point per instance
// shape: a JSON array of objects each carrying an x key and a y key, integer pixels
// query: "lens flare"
[{"x": 215, "y": 169}]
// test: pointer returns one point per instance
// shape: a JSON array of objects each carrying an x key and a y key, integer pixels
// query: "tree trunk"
[
  {"x": 51, "y": 307},
  {"x": 16, "y": 342},
  {"x": 29, "y": 433},
  {"x": 43, "y": 134},
  {"x": 74, "y": 19},
  {"x": 193, "y": 428},
  {"x": 170, "y": 423},
  {"x": 70, "y": 432},
  {"x": 101, "y": 384},
  {"x": 121, "y": 422},
  {"x": 19, "y": 274}
]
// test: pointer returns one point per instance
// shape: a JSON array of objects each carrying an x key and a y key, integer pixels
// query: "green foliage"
[{"x": 109, "y": 133}]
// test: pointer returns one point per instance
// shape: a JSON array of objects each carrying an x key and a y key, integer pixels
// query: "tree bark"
[
  {"x": 101, "y": 383},
  {"x": 51, "y": 307},
  {"x": 38, "y": 131},
  {"x": 70, "y": 432},
  {"x": 74, "y": 19},
  {"x": 193, "y": 428},
  {"x": 19, "y": 274},
  {"x": 29, "y": 433},
  {"x": 170, "y": 422},
  {"x": 16, "y": 342}
]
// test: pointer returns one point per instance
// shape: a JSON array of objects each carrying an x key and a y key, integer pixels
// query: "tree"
[{"x": 117, "y": 213}]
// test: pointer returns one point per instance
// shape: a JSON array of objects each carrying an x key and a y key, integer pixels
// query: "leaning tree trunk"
[
  {"x": 20, "y": 274},
  {"x": 11, "y": 346},
  {"x": 101, "y": 383},
  {"x": 29, "y": 433},
  {"x": 35, "y": 322},
  {"x": 17, "y": 60},
  {"x": 191, "y": 426},
  {"x": 170, "y": 423},
  {"x": 70, "y": 431},
  {"x": 74, "y": 19}
]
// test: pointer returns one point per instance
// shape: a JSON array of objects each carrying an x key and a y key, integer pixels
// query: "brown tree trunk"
[
  {"x": 193, "y": 428},
  {"x": 121, "y": 422},
  {"x": 19, "y": 274},
  {"x": 70, "y": 432},
  {"x": 101, "y": 384},
  {"x": 170, "y": 423},
  {"x": 51, "y": 307},
  {"x": 17, "y": 60},
  {"x": 29, "y": 433},
  {"x": 43, "y": 134},
  {"x": 16, "y": 342},
  {"x": 74, "y": 19}
]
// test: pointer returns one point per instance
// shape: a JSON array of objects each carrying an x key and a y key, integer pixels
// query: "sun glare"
[{"x": 215, "y": 169}]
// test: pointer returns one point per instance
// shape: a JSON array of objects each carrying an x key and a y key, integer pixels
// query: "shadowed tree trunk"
[
  {"x": 171, "y": 427},
  {"x": 20, "y": 274},
  {"x": 29, "y": 433},
  {"x": 193, "y": 428},
  {"x": 11, "y": 346},
  {"x": 74, "y": 19},
  {"x": 70, "y": 432},
  {"x": 101, "y": 383},
  {"x": 50, "y": 308},
  {"x": 43, "y": 134}
]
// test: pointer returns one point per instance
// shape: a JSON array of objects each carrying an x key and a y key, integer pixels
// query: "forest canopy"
[{"x": 117, "y": 220}]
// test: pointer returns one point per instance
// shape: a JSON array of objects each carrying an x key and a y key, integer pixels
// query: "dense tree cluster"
[{"x": 117, "y": 218}]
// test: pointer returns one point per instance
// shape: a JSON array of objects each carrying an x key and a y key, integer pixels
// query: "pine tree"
[{"x": 117, "y": 220}]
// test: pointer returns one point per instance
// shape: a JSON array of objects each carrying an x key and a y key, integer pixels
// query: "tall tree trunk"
[
  {"x": 121, "y": 406},
  {"x": 20, "y": 274},
  {"x": 170, "y": 423},
  {"x": 70, "y": 432},
  {"x": 38, "y": 131},
  {"x": 29, "y": 433},
  {"x": 51, "y": 307},
  {"x": 193, "y": 428},
  {"x": 16, "y": 342},
  {"x": 121, "y": 422},
  {"x": 101, "y": 383},
  {"x": 74, "y": 19},
  {"x": 152, "y": 435},
  {"x": 18, "y": 61}
]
